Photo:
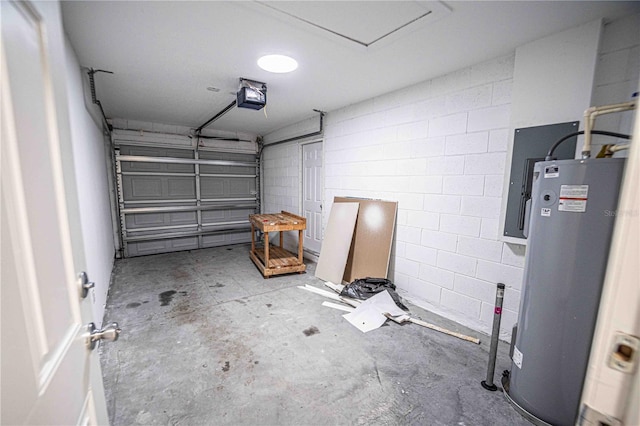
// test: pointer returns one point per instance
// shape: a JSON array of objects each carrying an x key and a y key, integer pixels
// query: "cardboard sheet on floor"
[
  {"x": 370, "y": 314},
  {"x": 371, "y": 243},
  {"x": 337, "y": 241}
]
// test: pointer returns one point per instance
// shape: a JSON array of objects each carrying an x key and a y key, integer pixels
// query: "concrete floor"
[{"x": 207, "y": 340}]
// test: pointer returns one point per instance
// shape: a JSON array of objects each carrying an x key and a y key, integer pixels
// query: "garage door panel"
[
  {"x": 182, "y": 168},
  {"x": 225, "y": 215},
  {"x": 240, "y": 237},
  {"x": 182, "y": 218},
  {"x": 212, "y": 187},
  {"x": 180, "y": 187},
  {"x": 226, "y": 239},
  {"x": 213, "y": 215},
  {"x": 155, "y": 151},
  {"x": 168, "y": 206},
  {"x": 234, "y": 170},
  {"x": 156, "y": 167},
  {"x": 138, "y": 188},
  {"x": 162, "y": 246},
  {"x": 142, "y": 167},
  {"x": 146, "y": 220},
  {"x": 240, "y": 214},
  {"x": 148, "y": 247},
  {"x": 231, "y": 170},
  {"x": 211, "y": 168},
  {"x": 227, "y": 156},
  {"x": 142, "y": 188},
  {"x": 235, "y": 156},
  {"x": 240, "y": 187},
  {"x": 214, "y": 240}
]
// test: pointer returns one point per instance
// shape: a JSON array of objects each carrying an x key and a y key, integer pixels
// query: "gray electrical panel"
[
  {"x": 573, "y": 212},
  {"x": 530, "y": 145}
]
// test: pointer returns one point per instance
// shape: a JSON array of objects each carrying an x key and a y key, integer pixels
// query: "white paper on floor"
[{"x": 370, "y": 314}]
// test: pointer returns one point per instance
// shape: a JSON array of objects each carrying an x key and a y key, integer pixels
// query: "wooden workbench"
[{"x": 275, "y": 260}]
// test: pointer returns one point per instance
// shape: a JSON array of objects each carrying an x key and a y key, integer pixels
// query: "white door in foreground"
[{"x": 49, "y": 376}]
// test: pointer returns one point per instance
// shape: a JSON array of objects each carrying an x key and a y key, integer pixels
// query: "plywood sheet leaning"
[
  {"x": 371, "y": 243},
  {"x": 337, "y": 241}
]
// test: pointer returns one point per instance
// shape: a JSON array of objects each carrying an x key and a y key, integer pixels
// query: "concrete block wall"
[
  {"x": 439, "y": 149},
  {"x": 281, "y": 178},
  {"x": 281, "y": 173},
  {"x": 281, "y": 184}
]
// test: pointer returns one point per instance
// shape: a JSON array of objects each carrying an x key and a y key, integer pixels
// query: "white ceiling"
[{"x": 164, "y": 55}]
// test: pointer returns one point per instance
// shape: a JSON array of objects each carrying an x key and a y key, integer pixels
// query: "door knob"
[
  {"x": 110, "y": 333},
  {"x": 84, "y": 284}
]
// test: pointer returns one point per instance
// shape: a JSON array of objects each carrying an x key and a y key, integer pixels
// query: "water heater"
[{"x": 572, "y": 213}]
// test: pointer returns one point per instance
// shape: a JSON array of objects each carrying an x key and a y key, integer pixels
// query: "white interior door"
[
  {"x": 312, "y": 195},
  {"x": 48, "y": 376}
]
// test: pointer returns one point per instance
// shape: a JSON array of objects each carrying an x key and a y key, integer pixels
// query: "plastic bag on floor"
[{"x": 364, "y": 288}]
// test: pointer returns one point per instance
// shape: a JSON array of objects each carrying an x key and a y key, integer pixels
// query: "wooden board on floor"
[
  {"x": 337, "y": 241},
  {"x": 371, "y": 244}
]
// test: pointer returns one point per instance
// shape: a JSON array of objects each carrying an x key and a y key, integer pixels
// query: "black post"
[{"x": 495, "y": 334}]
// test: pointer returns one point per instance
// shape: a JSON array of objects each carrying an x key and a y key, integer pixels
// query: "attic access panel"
[
  {"x": 531, "y": 145},
  {"x": 362, "y": 23}
]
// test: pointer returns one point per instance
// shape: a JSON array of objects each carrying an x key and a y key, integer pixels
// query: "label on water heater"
[
  {"x": 573, "y": 198},
  {"x": 545, "y": 211},
  {"x": 517, "y": 357},
  {"x": 551, "y": 172}
]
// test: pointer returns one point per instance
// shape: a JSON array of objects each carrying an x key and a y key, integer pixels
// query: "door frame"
[
  {"x": 610, "y": 393},
  {"x": 307, "y": 253}
]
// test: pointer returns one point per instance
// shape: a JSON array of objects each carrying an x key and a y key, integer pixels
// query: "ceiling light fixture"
[{"x": 277, "y": 63}]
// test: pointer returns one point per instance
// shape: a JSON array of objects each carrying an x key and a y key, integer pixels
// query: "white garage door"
[{"x": 173, "y": 199}]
